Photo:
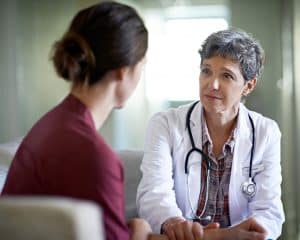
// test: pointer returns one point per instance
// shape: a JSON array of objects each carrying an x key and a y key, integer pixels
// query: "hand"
[
  {"x": 249, "y": 229},
  {"x": 178, "y": 228},
  {"x": 139, "y": 228},
  {"x": 246, "y": 230},
  {"x": 214, "y": 225}
]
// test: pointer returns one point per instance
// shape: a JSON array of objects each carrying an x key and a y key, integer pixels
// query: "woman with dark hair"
[
  {"x": 214, "y": 160},
  {"x": 102, "y": 55}
]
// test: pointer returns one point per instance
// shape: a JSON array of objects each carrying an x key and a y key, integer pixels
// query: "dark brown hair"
[{"x": 101, "y": 38}]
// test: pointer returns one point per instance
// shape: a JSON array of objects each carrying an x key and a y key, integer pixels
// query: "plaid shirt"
[{"x": 217, "y": 204}]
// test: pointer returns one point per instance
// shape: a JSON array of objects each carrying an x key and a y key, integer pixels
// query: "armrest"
[{"x": 49, "y": 218}]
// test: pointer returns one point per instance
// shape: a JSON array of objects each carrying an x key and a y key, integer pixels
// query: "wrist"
[{"x": 215, "y": 234}]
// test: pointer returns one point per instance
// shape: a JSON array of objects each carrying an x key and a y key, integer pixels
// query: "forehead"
[{"x": 221, "y": 62}]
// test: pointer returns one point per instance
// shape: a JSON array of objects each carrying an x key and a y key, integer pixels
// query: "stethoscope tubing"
[
  {"x": 208, "y": 163},
  {"x": 194, "y": 148}
]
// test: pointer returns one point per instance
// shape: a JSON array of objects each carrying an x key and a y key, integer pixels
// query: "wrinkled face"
[{"x": 222, "y": 85}]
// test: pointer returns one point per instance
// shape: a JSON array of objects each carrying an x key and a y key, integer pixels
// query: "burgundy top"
[{"x": 63, "y": 155}]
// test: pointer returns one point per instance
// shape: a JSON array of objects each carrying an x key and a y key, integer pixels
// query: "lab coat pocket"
[{"x": 257, "y": 168}]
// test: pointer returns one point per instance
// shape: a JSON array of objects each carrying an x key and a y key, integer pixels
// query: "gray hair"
[{"x": 238, "y": 46}]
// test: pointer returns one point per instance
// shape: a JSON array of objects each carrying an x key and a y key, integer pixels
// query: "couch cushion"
[
  {"x": 49, "y": 218},
  {"x": 7, "y": 152},
  {"x": 132, "y": 161}
]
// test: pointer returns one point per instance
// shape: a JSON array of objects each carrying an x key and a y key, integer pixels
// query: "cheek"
[
  {"x": 201, "y": 83},
  {"x": 237, "y": 93},
  {"x": 200, "y": 87},
  {"x": 240, "y": 89}
]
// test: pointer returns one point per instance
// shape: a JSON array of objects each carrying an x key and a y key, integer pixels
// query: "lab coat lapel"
[
  {"x": 241, "y": 157},
  {"x": 195, "y": 158},
  {"x": 244, "y": 137}
]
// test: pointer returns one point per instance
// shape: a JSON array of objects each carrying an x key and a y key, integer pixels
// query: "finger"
[
  {"x": 178, "y": 230},
  {"x": 170, "y": 233},
  {"x": 187, "y": 230},
  {"x": 259, "y": 236},
  {"x": 251, "y": 236},
  {"x": 197, "y": 230},
  {"x": 212, "y": 226},
  {"x": 168, "y": 227},
  {"x": 255, "y": 226}
]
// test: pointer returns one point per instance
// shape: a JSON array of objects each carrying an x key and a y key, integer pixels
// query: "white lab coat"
[{"x": 162, "y": 192}]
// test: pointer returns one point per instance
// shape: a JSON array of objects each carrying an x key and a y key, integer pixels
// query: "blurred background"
[{"x": 29, "y": 86}]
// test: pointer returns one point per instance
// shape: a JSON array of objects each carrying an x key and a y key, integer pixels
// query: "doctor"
[{"x": 214, "y": 160}]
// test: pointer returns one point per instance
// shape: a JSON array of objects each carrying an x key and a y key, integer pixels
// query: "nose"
[{"x": 214, "y": 83}]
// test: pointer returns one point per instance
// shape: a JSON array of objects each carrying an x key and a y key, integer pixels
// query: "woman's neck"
[
  {"x": 220, "y": 127},
  {"x": 220, "y": 122},
  {"x": 99, "y": 99}
]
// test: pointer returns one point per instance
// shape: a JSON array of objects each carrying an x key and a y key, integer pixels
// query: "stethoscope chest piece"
[{"x": 249, "y": 188}]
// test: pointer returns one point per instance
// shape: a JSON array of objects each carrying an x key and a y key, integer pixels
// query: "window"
[{"x": 173, "y": 60}]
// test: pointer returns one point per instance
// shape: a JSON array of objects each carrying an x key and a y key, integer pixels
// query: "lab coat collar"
[
  {"x": 195, "y": 123},
  {"x": 243, "y": 132},
  {"x": 196, "y": 115},
  {"x": 243, "y": 125},
  {"x": 244, "y": 128}
]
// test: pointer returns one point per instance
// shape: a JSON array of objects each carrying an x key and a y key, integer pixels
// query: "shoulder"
[
  {"x": 263, "y": 124},
  {"x": 95, "y": 146},
  {"x": 92, "y": 157},
  {"x": 172, "y": 117}
]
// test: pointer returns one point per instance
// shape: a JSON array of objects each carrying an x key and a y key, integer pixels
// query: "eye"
[
  {"x": 205, "y": 71},
  {"x": 228, "y": 76}
]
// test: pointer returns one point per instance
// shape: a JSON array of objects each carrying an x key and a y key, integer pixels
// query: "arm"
[
  {"x": 266, "y": 206},
  {"x": 141, "y": 230},
  {"x": 186, "y": 230},
  {"x": 94, "y": 173},
  {"x": 156, "y": 200},
  {"x": 248, "y": 229}
]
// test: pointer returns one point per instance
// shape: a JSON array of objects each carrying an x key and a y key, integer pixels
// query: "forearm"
[
  {"x": 248, "y": 229},
  {"x": 214, "y": 234}
]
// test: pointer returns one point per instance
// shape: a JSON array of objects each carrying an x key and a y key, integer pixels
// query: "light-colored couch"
[{"x": 60, "y": 218}]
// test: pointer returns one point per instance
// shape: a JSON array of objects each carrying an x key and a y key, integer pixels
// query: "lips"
[{"x": 212, "y": 97}]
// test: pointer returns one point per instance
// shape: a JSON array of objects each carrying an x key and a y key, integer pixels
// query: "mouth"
[{"x": 212, "y": 97}]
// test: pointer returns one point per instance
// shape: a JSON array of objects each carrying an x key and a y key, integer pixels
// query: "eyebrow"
[
  {"x": 205, "y": 65},
  {"x": 223, "y": 68},
  {"x": 227, "y": 69}
]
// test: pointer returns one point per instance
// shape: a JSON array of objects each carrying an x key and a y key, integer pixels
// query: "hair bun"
[{"x": 73, "y": 58}]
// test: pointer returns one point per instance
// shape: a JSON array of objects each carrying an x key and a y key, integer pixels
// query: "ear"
[
  {"x": 121, "y": 73},
  {"x": 249, "y": 86}
]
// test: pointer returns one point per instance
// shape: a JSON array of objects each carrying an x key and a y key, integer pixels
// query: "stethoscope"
[{"x": 248, "y": 187}]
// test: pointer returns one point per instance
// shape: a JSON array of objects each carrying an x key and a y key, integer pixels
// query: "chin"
[
  {"x": 119, "y": 106},
  {"x": 213, "y": 108}
]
